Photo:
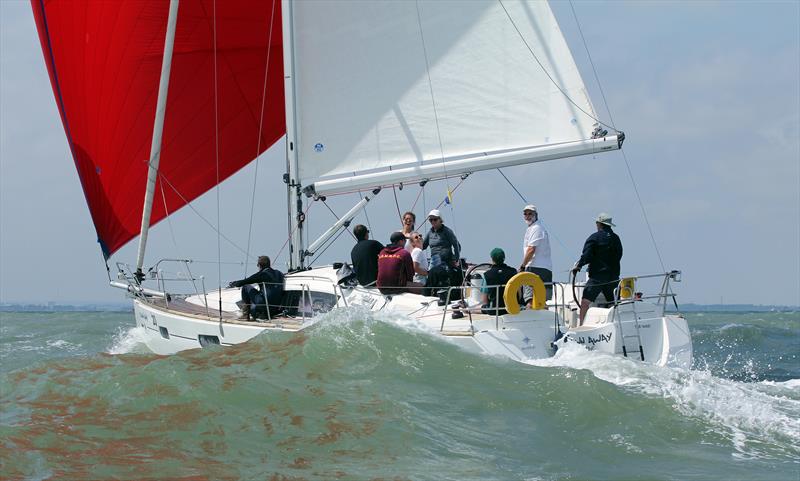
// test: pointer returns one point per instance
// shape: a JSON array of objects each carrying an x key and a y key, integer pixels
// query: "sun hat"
[
  {"x": 498, "y": 255},
  {"x": 435, "y": 213},
  {"x": 604, "y": 218},
  {"x": 529, "y": 207}
]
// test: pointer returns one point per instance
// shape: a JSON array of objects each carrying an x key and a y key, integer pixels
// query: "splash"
[
  {"x": 128, "y": 340},
  {"x": 755, "y": 417}
]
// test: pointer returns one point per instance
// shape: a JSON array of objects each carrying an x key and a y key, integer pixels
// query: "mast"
[
  {"x": 294, "y": 201},
  {"x": 158, "y": 129}
]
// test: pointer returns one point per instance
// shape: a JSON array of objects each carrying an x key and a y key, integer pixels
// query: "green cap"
[{"x": 498, "y": 255}]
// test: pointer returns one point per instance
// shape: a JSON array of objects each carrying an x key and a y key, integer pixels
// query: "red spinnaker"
[{"x": 104, "y": 60}]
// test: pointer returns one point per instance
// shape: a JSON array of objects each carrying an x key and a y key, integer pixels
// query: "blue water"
[{"x": 359, "y": 397}]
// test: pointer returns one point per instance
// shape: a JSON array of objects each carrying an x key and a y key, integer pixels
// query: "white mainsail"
[{"x": 399, "y": 90}]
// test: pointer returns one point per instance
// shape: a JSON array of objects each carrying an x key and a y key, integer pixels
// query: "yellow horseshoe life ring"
[
  {"x": 524, "y": 279},
  {"x": 627, "y": 287}
]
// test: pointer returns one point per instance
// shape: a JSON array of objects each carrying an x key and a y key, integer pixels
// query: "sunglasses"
[
  {"x": 417, "y": 237},
  {"x": 432, "y": 219}
]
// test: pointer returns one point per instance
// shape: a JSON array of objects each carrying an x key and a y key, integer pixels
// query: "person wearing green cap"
[{"x": 497, "y": 275}]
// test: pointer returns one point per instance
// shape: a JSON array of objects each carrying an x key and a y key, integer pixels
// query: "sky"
[{"x": 707, "y": 93}]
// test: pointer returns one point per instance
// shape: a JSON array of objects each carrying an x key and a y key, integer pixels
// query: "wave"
[
  {"x": 364, "y": 395},
  {"x": 754, "y": 419},
  {"x": 128, "y": 340}
]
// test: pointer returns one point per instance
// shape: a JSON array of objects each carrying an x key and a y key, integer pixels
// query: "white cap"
[
  {"x": 530, "y": 207},
  {"x": 604, "y": 218},
  {"x": 434, "y": 213}
]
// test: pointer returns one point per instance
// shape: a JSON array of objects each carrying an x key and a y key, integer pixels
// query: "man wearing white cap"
[
  {"x": 536, "y": 252},
  {"x": 602, "y": 251}
]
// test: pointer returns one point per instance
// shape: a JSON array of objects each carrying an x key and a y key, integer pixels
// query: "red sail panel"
[{"x": 104, "y": 60}]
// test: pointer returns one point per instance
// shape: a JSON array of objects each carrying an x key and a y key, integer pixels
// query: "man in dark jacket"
[
  {"x": 497, "y": 275},
  {"x": 602, "y": 251},
  {"x": 254, "y": 300},
  {"x": 365, "y": 256}
]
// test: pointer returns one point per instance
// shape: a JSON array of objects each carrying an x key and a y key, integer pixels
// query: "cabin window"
[
  {"x": 308, "y": 303},
  {"x": 206, "y": 341},
  {"x": 164, "y": 332}
]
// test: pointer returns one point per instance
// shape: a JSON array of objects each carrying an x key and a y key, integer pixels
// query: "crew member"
[
  {"x": 254, "y": 300},
  {"x": 395, "y": 267},
  {"x": 536, "y": 253},
  {"x": 602, "y": 252},
  {"x": 365, "y": 256},
  {"x": 444, "y": 245},
  {"x": 497, "y": 275}
]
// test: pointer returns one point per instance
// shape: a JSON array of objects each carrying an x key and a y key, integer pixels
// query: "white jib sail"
[{"x": 391, "y": 91}]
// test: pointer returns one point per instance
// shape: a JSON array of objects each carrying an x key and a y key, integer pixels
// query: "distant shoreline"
[
  {"x": 127, "y": 307},
  {"x": 58, "y": 307}
]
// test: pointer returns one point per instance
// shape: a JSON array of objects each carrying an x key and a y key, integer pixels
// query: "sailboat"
[{"x": 368, "y": 95}]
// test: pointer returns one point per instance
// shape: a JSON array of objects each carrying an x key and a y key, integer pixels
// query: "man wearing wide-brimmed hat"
[{"x": 602, "y": 251}]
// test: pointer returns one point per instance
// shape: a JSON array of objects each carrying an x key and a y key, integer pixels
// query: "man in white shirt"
[{"x": 536, "y": 252}]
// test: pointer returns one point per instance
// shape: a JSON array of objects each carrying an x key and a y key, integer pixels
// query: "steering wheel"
[{"x": 574, "y": 294}]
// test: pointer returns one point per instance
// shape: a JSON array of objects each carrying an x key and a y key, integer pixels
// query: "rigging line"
[
  {"x": 424, "y": 204},
  {"x": 166, "y": 214},
  {"x": 644, "y": 212},
  {"x": 549, "y": 231},
  {"x": 442, "y": 202},
  {"x": 513, "y": 187},
  {"x": 611, "y": 119},
  {"x": 286, "y": 242},
  {"x": 190, "y": 206},
  {"x": 433, "y": 99},
  {"x": 330, "y": 243},
  {"x": 361, "y": 196},
  {"x": 338, "y": 218},
  {"x": 397, "y": 204},
  {"x": 421, "y": 190},
  {"x": 552, "y": 80},
  {"x": 258, "y": 134}
]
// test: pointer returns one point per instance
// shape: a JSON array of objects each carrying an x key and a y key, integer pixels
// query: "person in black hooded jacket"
[
  {"x": 254, "y": 300},
  {"x": 602, "y": 251}
]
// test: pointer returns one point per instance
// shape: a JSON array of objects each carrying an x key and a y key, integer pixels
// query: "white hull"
[{"x": 529, "y": 335}]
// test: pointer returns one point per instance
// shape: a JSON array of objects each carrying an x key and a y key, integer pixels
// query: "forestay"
[{"x": 436, "y": 87}]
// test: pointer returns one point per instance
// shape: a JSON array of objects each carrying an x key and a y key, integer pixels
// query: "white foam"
[
  {"x": 747, "y": 413},
  {"x": 128, "y": 340},
  {"x": 793, "y": 384}
]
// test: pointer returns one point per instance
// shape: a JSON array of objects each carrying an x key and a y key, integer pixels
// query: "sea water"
[{"x": 365, "y": 396}]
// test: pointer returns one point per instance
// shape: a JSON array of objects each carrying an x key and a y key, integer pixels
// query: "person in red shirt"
[{"x": 395, "y": 267}]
